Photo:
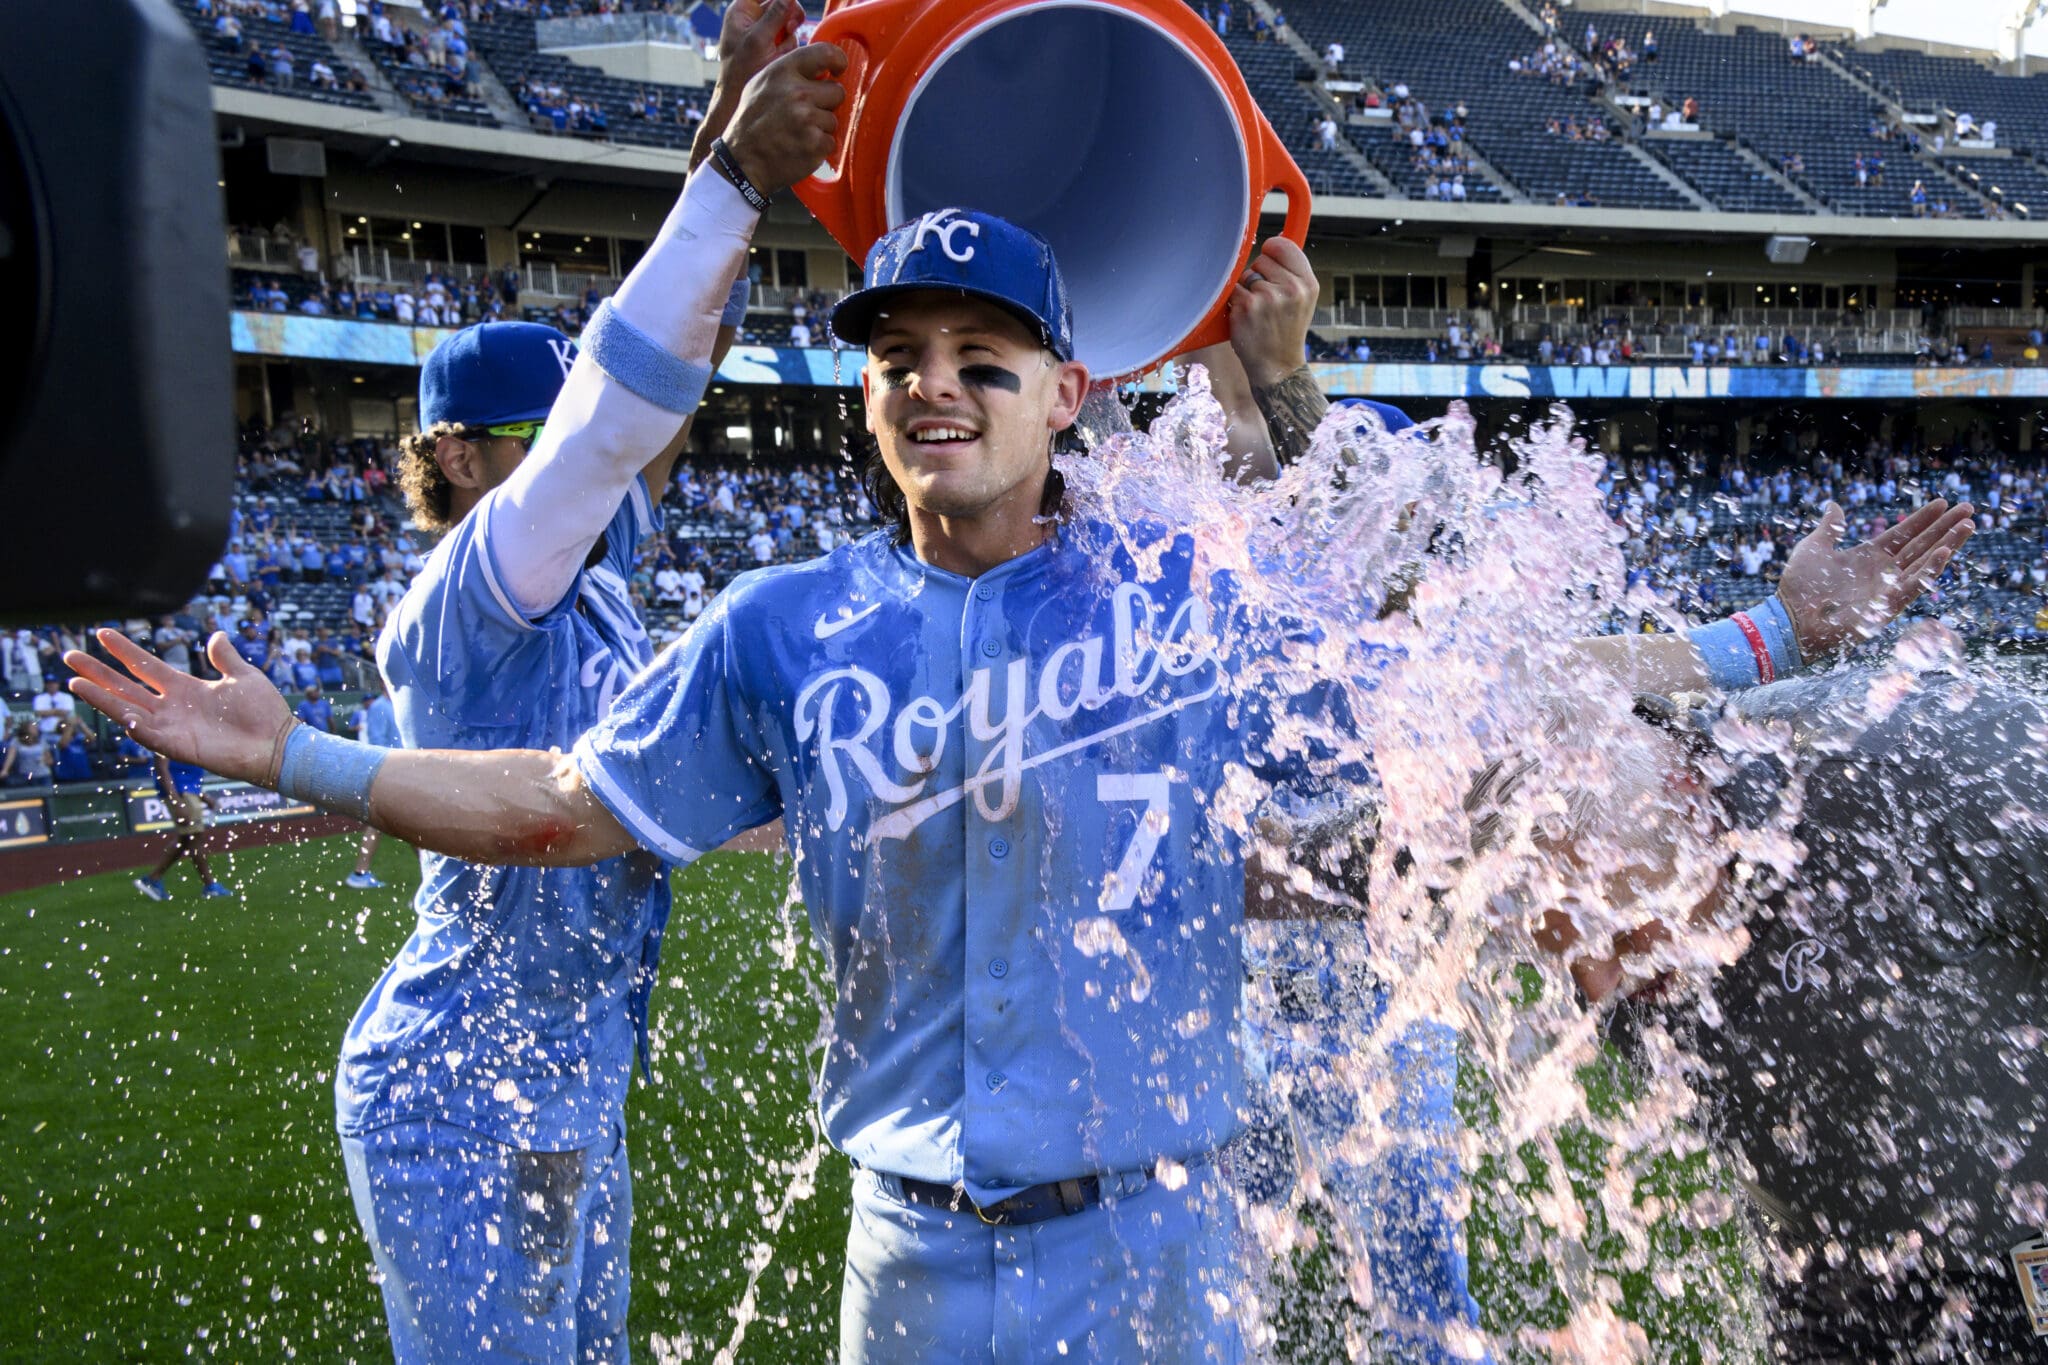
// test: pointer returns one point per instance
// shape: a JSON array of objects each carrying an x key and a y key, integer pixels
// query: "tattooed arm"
[{"x": 1293, "y": 407}]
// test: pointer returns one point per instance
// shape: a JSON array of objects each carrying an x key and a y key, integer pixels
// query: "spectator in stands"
[
  {"x": 255, "y": 65},
  {"x": 1223, "y": 17},
  {"x": 73, "y": 747},
  {"x": 314, "y": 709},
  {"x": 27, "y": 759},
  {"x": 1333, "y": 58},
  {"x": 52, "y": 707},
  {"x": 1917, "y": 197},
  {"x": 1649, "y": 45},
  {"x": 1326, "y": 133},
  {"x": 281, "y": 67}
]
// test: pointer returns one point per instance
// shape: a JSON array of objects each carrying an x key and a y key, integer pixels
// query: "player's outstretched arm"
[
  {"x": 504, "y": 806},
  {"x": 1833, "y": 596}
]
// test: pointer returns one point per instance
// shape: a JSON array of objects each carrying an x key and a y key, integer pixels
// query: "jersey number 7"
[{"x": 1120, "y": 892}]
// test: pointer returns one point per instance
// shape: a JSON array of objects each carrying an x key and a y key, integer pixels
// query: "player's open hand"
[
  {"x": 1837, "y": 595},
  {"x": 232, "y": 727},
  {"x": 788, "y": 120},
  {"x": 1271, "y": 308}
]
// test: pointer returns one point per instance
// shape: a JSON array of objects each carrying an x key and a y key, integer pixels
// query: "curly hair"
[{"x": 421, "y": 478}]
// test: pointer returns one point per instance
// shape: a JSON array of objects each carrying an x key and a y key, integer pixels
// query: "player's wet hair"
[{"x": 428, "y": 494}]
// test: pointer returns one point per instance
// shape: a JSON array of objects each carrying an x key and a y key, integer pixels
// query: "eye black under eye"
[
  {"x": 896, "y": 376},
  {"x": 991, "y": 377}
]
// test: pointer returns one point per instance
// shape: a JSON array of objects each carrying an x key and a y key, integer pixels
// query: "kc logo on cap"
[
  {"x": 961, "y": 251},
  {"x": 943, "y": 224}
]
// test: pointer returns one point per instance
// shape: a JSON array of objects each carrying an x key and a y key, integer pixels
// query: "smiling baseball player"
[{"x": 993, "y": 740}]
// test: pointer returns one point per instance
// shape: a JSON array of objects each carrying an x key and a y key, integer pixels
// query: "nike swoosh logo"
[{"x": 827, "y": 628}]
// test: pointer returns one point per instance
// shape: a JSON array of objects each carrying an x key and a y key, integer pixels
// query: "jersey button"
[
  {"x": 999, "y": 969},
  {"x": 985, "y": 593},
  {"x": 999, "y": 848},
  {"x": 996, "y": 1081},
  {"x": 991, "y": 648}
]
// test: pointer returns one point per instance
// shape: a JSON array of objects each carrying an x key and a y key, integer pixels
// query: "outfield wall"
[{"x": 82, "y": 812}]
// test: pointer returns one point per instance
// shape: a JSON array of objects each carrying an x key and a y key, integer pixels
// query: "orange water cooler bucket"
[{"x": 1120, "y": 130}]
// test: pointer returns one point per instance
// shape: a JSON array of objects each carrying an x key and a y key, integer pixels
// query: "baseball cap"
[
  {"x": 976, "y": 254},
  {"x": 1391, "y": 417},
  {"x": 494, "y": 372}
]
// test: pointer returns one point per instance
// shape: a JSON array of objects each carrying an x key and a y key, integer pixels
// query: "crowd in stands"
[
  {"x": 316, "y": 522},
  {"x": 1614, "y": 341},
  {"x": 431, "y": 67},
  {"x": 1710, "y": 541},
  {"x": 441, "y": 300}
]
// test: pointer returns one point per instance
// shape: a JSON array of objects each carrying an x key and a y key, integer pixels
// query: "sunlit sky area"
[{"x": 1963, "y": 23}]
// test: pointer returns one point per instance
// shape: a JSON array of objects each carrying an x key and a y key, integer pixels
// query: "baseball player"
[
  {"x": 991, "y": 740},
  {"x": 376, "y": 724},
  {"x": 1875, "y": 1062},
  {"x": 480, "y": 1095},
  {"x": 182, "y": 787}
]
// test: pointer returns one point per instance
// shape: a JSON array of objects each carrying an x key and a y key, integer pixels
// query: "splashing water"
[{"x": 1438, "y": 598}]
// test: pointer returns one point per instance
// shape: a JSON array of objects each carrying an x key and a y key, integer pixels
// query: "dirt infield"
[
  {"x": 29, "y": 867},
  {"x": 24, "y": 868}
]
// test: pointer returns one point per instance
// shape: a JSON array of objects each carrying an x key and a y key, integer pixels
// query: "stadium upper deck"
[{"x": 1771, "y": 135}]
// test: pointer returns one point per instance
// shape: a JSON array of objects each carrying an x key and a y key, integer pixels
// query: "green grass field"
[
  {"x": 171, "y": 1185},
  {"x": 169, "y": 1176}
]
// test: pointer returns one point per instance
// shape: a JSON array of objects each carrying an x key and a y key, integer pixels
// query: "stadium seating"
[
  {"x": 1931, "y": 84},
  {"x": 430, "y": 93},
  {"x": 507, "y": 44},
  {"x": 1719, "y": 172},
  {"x": 2015, "y": 183},
  {"x": 1452, "y": 50},
  {"x": 225, "y": 61},
  {"x": 1749, "y": 88},
  {"x": 1289, "y": 106}
]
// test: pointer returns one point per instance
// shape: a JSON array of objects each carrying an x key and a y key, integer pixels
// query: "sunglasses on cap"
[{"x": 528, "y": 432}]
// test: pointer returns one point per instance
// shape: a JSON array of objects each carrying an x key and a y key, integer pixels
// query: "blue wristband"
[
  {"x": 641, "y": 364},
  {"x": 1730, "y": 656},
  {"x": 329, "y": 772},
  {"x": 736, "y": 303}
]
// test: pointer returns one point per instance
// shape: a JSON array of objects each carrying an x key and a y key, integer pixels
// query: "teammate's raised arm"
[
  {"x": 1829, "y": 597},
  {"x": 647, "y": 354},
  {"x": 510, "y": 806}
]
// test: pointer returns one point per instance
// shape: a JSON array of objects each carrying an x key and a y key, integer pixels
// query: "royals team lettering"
[{"x": 1168, "y": 656}]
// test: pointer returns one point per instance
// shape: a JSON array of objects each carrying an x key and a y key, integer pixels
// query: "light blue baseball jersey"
[
  {"x": 997, "y": 790},
  {"x": 514, "y": 1007}
]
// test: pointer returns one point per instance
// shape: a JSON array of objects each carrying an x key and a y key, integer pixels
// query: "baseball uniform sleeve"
[
  {"x": 599, "y": 433},
  {"x": 679, "y": 759}
]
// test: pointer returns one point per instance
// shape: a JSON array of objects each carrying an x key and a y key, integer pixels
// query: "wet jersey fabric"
[
  {"x": 515, "y": 1006},
  {"x": 1007, "y": 799},
  {"x": 1879, "y": 1060}
]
